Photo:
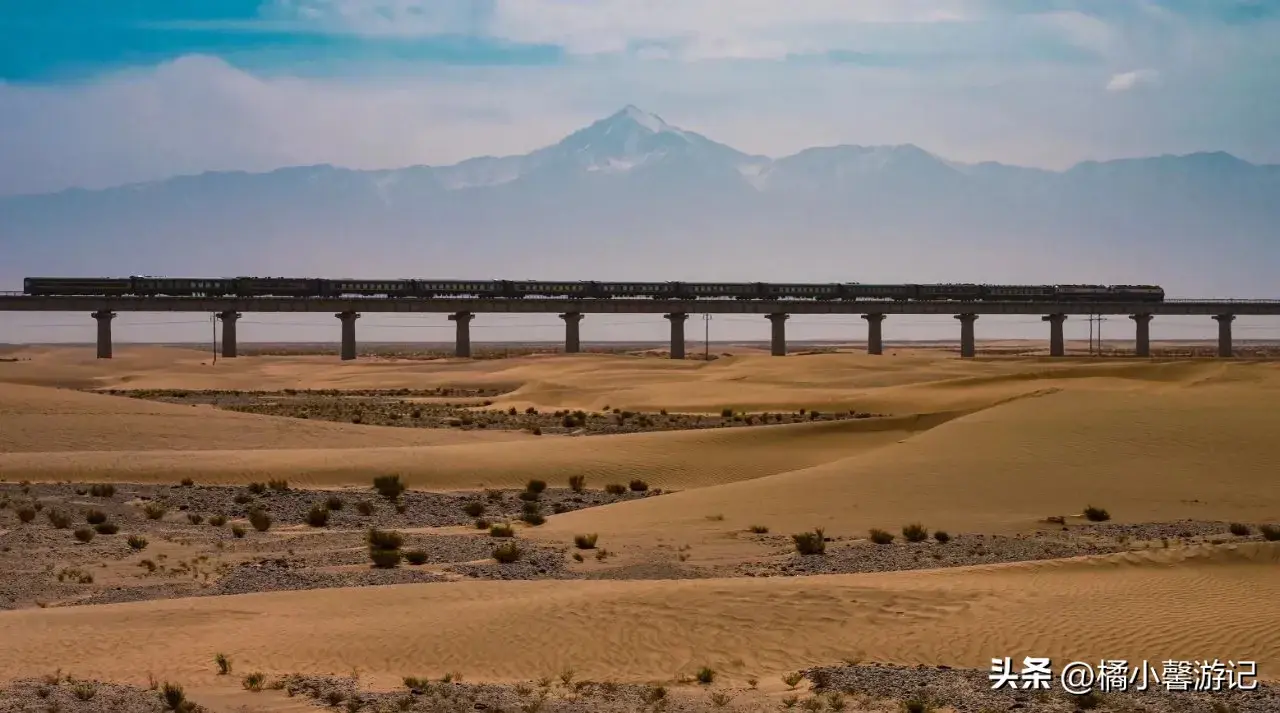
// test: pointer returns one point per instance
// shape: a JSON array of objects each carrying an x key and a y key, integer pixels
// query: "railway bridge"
[{"x": 461, "y": 311}]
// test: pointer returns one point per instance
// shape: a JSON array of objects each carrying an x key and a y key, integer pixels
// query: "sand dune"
[
  {"x": 1113, "y": 607},
  {"x": 1145, "y": 455}
]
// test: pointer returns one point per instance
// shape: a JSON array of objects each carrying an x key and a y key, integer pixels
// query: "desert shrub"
[
  {"x": 536, "y": 486},
  {"x": 95, "y": 517},
  {"x": 243, "y": 498},
  {"x": 530, "y": 507},
  {"x": 279, "y": 486},
  {"x": 85, "y": 691},
  {"x": 533, "y": 518},
  {"x": 187, "y": 482},
  {"x": 260, "y": 520},
  {"x": 173, "y": 696},
  {"x": 528, "y": 496},
  {"x": 1271, "y": 533},
  {"x": 585, "y": 542},
  {"x": 941, "y": 536},
  {"x": 137, "y": 542},
  {"x": 493, "y": 494},
  {"x": 154, "y": 511},
  {"x": 102, "y": 490},
  {"x": 318, "y": 516},
  {"x": 705, "y": 675},
  {"x": 224, "y": 664},
  {"x": 84, "y": 534},
  {"x": 388, "y": 486},
  {"x": 107, "y": 528},
  {"x": 1094, "y": 514},
  {"x": 615, "y": 489},
  {"x": 792, "y": 679},
  {"x": 59, "y": 519},
  {"x": 915, "y": 532},
  {"x": 218, "y": 520},
  {"x": 577, "y": 483},
  {"x": 1240, "y": 529},
  {"x": 384, "y": 539},
  {"x": 195, "y": 518},
  {"x": 385, "y": 559},
  {"x": 257, "y": 488},
  {"x": 726, "y": 413},
  {"x": 473, "y": 509},
  {"x": 506, "y": 552},
  {"x": 364, "y": 507},
  {"x": 334, "y": 503},
  {"x": 254, "y": 681},
  {"x": 880, "y": 537},
  {"x": 481, "y": 524},
  {"x": 416, "y": 556},
  {"x": 237, "y": 531},
  {"x": 638, "y": 486},
  {"x": 26, "y": 514},
  {"x": 810, "y": 543},
  {"x": 501, "y": 529},
  {"x": 916, "y": 705}
]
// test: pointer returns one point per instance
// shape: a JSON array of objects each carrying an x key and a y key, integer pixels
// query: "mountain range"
[{"x": 633, "y": 197}]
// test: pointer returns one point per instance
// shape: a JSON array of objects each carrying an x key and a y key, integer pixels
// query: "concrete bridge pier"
[
  {"x": 1142, "y": 336},
  {"x": 104, "y": 317},
  {"x": 1224, "y": 334},
  {"x": 779, "y": 337},
  {"x": 348, "y": 334},
  {"x": 677, "y": 320},
  {"x": 229, "y": 319},
  {"x": 572, "y": 333},
  {"x": 968, "y": 348},
  {"x": 1057, "y": 345},
  {"x": 462, "y": 344},
  {"x": 875, "y": 340}
]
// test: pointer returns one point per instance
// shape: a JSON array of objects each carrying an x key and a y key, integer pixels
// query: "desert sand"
[{"x": 989, "y": 446}]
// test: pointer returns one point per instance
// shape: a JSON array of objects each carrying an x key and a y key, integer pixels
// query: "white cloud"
[{"x": 1126, "y": 81}]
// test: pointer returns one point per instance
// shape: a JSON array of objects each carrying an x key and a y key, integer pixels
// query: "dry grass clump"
[
  {"x": 102, "y": 490},
  {"x": 585, "y": 542},
  {"x": 880, "y": 537},
  {"x": 384, "y": 547},
  {"x": 389, "y": 486},
  {"x": 260, "y": 520},
  {"x": 95, "y": 517},
  {"x": 1270, "y": 533},
  {"x": 915, "y": 532},
  {"x": 237, "y": 531},
  {"x": 154, "y": 511},
  {"x": 1096, "y": 514},
  {"x": 501, "y": 529},
  {"x": 507, "y": 552},
  {"x": 536, "y": 486},
  {"x": 334, "y": 503},
  {"x": 195, "y": 518},
  {"x": 26, "y": 514},
  {"x": 416, "y": 557},
  {"x": 59, "y": 519},
  {"x": 941, "y": 536},
  {"x": 615, "y": 489},
  {"x": 223, "y": 663},
  {"x": 759, "y": 529},
  {"x": 254, "y": 681},
  {"x": 187, "y": 482},
  {"x": 107, "y": 528},
  {"x": 811, "y": 543},
  {"x": 638, "y": 486},
  {"x": 473, "y": 509},
  {"x": 705, "y": 675},
  {"x": 318, "y": 516},
  {"x": 280, "y": 486},
  {"x": 84, "y": 535},
  {"x": 257, "y": 488},
  {"x": 577, "y": 483},
  {"x": 1240, "y": 529},
  {"x": 218, "y": 520}
]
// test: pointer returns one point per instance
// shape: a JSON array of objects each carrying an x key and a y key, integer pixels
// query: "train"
[{"x": 520, "y": 289}]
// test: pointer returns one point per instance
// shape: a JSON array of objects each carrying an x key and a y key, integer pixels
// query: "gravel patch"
[
  {"x": 68, "y": 696},
  {"x": 969, "y": 691},
  {"x": 844, "y": 556}
]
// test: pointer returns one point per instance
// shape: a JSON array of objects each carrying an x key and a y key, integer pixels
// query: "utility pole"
[
  {"x": 213, "y": 322},
  {"x": 1090, "y": 334},
  {"x": 706, "y": 336}
]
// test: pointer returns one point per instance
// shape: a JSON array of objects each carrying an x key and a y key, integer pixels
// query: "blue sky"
[{"x": 97, "y": 93}]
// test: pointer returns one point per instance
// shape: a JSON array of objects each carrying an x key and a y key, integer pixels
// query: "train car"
[
  {"x": 652, "y": 290},
  {"x": 77, "y": 286},
  {"x": 277, "y": 287},
  {"x": 148, "y": 286},
  {"x": 459, "y": 288},
  {"x": 1081, "y": 293},
  {"x": 795, "y": 291},
  {"x": 959, "y": 292},
  {"x": 1138, "y": 293},
  {"x": 366, "y": 288},
  {"x": 1018, "y": 293},
  {"x": 859, "y": 291},
  {"x": 714, "y": 290},
  {"x": 572, "y": 290}
]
